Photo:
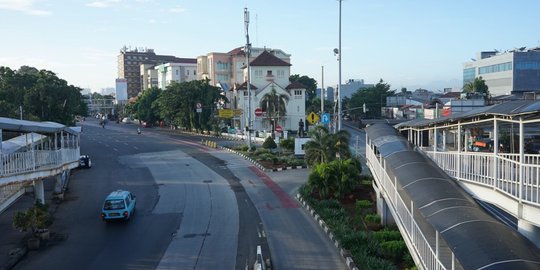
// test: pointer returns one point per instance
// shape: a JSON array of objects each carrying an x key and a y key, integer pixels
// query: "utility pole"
[
  {"x": 339, "y": 77},
  {"x": 322, "y": 90},
  {"x": 248, "y": 52}
]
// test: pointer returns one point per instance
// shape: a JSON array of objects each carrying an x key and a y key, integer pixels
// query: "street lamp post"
[
  {"x": 248, "y": 86},
  {"x": 339, "y": 76}
]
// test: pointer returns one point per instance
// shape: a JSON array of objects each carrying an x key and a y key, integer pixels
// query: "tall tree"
[
  {"x": 477, "y": 86},
  {"x": 374, "y": 99},
  {"x": 177, "y": 104},
  {"x": 325, "y": 146},
  {"x": 41, "y": 94},
  {"x": 144, "y": 108},
  {"x": 311, "y": 91},
  {"x": 274, "y": 104}
]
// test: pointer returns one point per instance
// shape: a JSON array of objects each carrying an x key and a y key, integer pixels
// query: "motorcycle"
[{"x": 138, "y": 131}]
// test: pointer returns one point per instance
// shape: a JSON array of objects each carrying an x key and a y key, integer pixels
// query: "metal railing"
[
  {"x": 404, "y": 216},
  {"x": 502, "y": 172},
  {"x": 26, "y": 162}
]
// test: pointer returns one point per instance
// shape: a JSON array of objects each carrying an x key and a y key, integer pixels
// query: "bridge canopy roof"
[
  {"x": 31, "y": 126},
  {"x": 511, "y": 109}
]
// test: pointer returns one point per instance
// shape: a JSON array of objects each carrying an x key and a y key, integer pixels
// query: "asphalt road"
[{"x": 197, "y": 208}]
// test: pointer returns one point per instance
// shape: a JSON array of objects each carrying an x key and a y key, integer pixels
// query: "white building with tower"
[{"x": 268, "y": 73}]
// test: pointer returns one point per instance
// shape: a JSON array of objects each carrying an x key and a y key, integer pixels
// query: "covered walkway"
[{"x": 31, "y": 151}]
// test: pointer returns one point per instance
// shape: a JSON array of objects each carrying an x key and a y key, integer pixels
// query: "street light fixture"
[
  {"x": 248, "y": 52},
  {"x": 339, "y": 77}
]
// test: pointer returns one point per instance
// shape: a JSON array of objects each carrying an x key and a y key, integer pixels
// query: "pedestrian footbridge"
[
  {"x": 31, "y": 151},
  {"x": 430, "y": 179}
]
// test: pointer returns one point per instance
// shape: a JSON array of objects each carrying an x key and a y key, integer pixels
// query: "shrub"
[
  {"x": 394, "y": 250},
  {"x": 241, "y": 148},
  {"x": 34, "y": 218},
  {"x": 287, "y": 144},
  {"x": 355, "y": 239},
  {"x": 387, "y": 235},
  {"x": 269, "y": 143},
  {"x": 372, "y": 219},
  {"x": 268, "y": 157},
  {"x": 361, "y": 205},
  {"x": 260, "y": 151}
]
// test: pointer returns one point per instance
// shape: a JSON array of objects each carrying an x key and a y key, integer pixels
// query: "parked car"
[
  {"x": 119, "y": 205},
  {"x": 85, "y": 161}
]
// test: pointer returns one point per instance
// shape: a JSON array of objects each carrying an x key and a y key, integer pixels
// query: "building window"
[
  {"x": 258, "y": 73},
  {"x": 281, "y": 73},
  {"x": 245, "y": 93},
  {"x": 222, "y": 66},
  {"x": 528, "y": 65},
  {"x": 268, "y": 73},
  {"x": 468, "y": 75},
  {"x": 297, "y": 92},
  {"x": 177, "y": 71},
  {"x": 495, "y": 68},
  {"x": 194, "y": 72}
]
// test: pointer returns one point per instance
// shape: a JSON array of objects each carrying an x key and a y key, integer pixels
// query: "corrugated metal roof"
[
  {"x": 31, "y": 126},
  {"x": 477, "y": 239},
  {"x": 512, "y": 108}
]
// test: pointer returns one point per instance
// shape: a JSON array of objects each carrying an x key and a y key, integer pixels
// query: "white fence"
[
  {"x": 502, "y": 172},
  {"x": 415, "y": 239},
  {"x": 27, "y": 162}
]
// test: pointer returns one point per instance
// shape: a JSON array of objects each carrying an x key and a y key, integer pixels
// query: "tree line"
[{"x": 39, "y": 95}]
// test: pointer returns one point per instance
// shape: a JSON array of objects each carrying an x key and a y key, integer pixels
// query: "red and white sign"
[
  {"x": 258, "y": 112},
  {"x": 199, "y": 105},
  {"x": 278, "y": 128}
]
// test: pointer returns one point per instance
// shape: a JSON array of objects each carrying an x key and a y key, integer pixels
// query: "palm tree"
[
  {"x": 325, "y": 146},
  {"x": 274, "y": 104},
  {"x": 317, "y": 149},
  {"x": 477, "y": 86}
]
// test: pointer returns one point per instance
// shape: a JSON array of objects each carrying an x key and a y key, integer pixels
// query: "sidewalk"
[{"x": 13, "y": 241}]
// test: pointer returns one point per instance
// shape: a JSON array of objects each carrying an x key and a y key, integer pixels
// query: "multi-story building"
[
  {"x": 228, "y": 68},
  {"x": 129, "y": 66},
  {"x": 149, "y": 76},
  {"x": 510, "y": 72},
  {"x": 175, "y": 72},
  {"x": 267, "y": 73},
  {"x": 352, "y": 86}
]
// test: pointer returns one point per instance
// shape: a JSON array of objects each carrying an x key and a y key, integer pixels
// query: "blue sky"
[{"x": 413, "y": 44}]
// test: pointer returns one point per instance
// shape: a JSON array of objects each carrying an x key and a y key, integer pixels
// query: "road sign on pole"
[
  {"x": 326, "y": 118},
  {"x": 312, "y": 118},
  {"x": 278, "y": 128},
  {"x": 258, "y": 112}
]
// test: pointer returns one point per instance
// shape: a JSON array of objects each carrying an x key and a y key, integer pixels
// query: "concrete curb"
[
  {"x": 343, "y": 252},
  {"x": 258, "y": 165}
]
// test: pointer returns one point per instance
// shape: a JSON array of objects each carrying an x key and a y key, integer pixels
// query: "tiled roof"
[
  {"x": 244, "y": 87},
  {"x": 174, "y": 59},
  {"x": 295, "y": 85},
  {"x": 451, "y": 95},
  {"x": 237, "y": 51},
  {"x": 267, "y": 59}
]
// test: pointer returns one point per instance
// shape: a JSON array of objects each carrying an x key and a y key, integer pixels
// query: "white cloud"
[
  {"x": 25, "y": 6},
  {"x": 152, "y": 21},
  {"x": 102, "y": 4},
  {"x": 176, "y": 10}
]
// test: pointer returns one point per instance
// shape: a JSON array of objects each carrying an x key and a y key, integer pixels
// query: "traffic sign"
[
  {"x": 258, "y": 112},
  {"x": 199, "y": 105},
  {"x": 312, "y": 118},
  {"x": 326, "y": 118},
  {"x": 278, "y": 128}
]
